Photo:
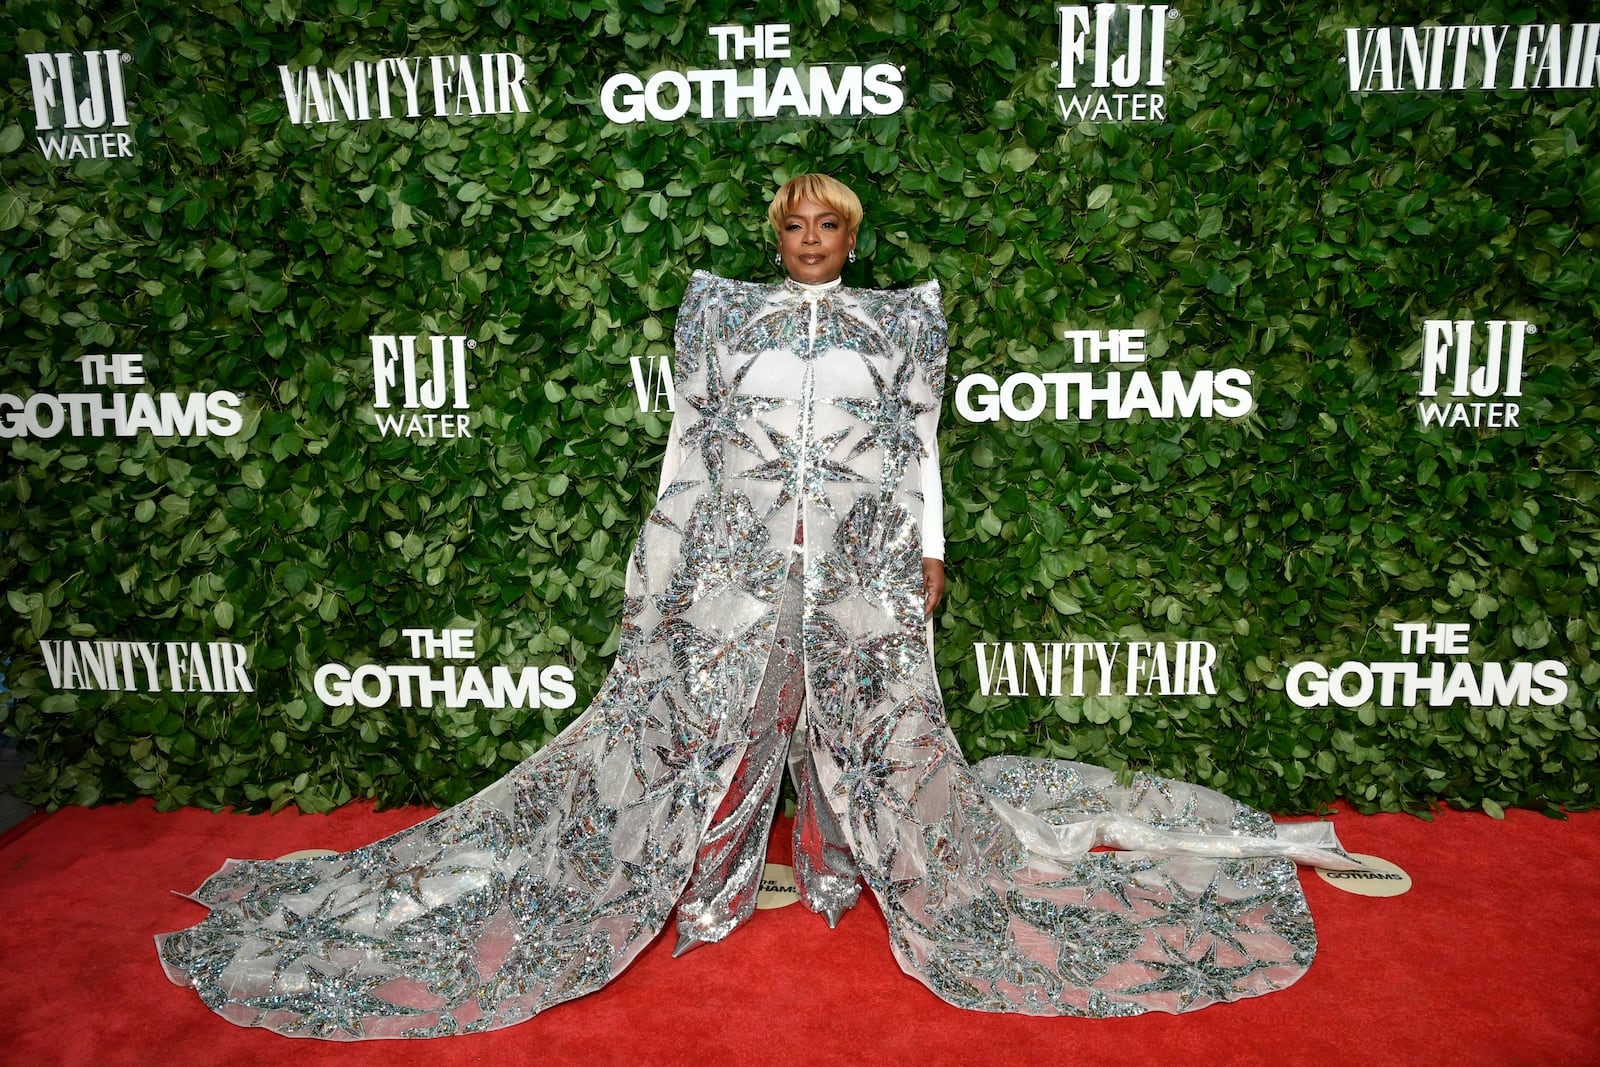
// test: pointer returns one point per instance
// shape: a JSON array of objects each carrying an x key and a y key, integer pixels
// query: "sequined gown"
[{"x": 810, "y": 411}]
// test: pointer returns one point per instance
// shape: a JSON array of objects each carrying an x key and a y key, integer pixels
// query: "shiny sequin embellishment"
[{"x": 743, "y": 653}]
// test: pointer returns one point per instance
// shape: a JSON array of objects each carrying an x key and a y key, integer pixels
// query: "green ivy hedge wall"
[{"x": 1275, "y": 221}]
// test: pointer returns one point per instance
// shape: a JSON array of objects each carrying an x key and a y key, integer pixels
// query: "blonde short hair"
[{"x": 819, "y": 189}]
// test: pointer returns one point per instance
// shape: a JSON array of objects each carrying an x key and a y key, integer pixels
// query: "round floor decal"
[
  {"x": 777, "y": 887},
  {"x": 1376, "y": 878}
]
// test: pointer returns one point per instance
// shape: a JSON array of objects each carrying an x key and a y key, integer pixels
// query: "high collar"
[{"x": 812, "y": 291}]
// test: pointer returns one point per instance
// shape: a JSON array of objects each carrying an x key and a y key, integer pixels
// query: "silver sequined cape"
[{"x": 797, "y": 407}]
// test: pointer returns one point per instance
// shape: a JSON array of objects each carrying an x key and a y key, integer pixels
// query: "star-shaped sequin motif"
[
  {"x": 875, "y": 556},
  {"x": 1151, "y": 799},
  {"x": 1194, "y": 980},
  {"x": 868, "y": 787},
  {"x": 719, "y": 673},
  {"x": 728, "y": 543},
  {"x": 333, "y": 1004},
  {"x": 585, "y": 838},
  {"x": 401, "y": 890},
  {"x": 804, "y": 467},
  {"x": 722, "y": 408},
  {"x": 1211, "y": 914},
  {"x": 860, "y": 667},
  {"x": 691, "y": 771},
  {"x": 624, "y": 716},
  {"x": 890, "y": 418},
  {"x": 1053, "y": 790},
  {"x": 1090, "y": 941},
  {"x": 1102, "y": 872}
]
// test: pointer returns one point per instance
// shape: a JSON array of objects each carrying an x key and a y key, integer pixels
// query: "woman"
[{"x": 775, "y": 615}]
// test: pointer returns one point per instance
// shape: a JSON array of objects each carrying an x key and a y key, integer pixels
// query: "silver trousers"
[{"x": 727, "y": 874}]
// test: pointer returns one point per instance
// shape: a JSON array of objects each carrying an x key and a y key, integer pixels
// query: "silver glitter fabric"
[
  {"x": 733, "y": 852},
  {"x": 799, "y": 408}
]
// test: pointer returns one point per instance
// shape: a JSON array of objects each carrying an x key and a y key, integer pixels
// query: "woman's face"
[{"x": 814, "y": 243}]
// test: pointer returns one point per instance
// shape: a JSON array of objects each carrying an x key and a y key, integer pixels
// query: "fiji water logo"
[
  {"x": 421, "y": 392},
  {"x": 1113, "y": 62},
  {"x": 80, "y": 104},
  {"x": 1472, "y": 372}
]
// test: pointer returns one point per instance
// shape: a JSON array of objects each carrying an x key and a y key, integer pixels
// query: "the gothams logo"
[
  {"x": 1364, "y": 876},
  {"x": 1397, "y": 59},
  {"x": 80, "y": 104},
  {"x": 1404, "y": 684},
  {"x": 1478, "y": 367},
  {"x": 121, "y": 414},
  {"x": 817, "y": 91},
  {"x": 410, "y": 87},
  {"x": 1113, "y": 63},
  {"x": 374, "y": 685},
  {"x": 1095, "y": 668},
  {"x": 1114, "y": 394},
  {"x": 408, "y": 403}
]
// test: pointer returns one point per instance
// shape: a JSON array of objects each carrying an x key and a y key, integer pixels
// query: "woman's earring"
[
  {"x": 777, "y": 259},
  {"x": 852, "y": 255}
]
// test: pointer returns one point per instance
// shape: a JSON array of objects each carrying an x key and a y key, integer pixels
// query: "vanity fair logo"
[
  {"x": 148, "y": 666},
  {"x": 80, "y": 104},
  {"x": 1096, "y": 668},
  {"x": 1114, "y": 394},
  {"x": 1402, "y": 684},
  {"x": 1397, "y": 59},
  {"x": 1472, "y": 362},
  {"x": 411, "y": 87},
  {"x": 407, "y": 403},
  {"x": 652, "y": 383},
  {"x": 127, "y": 414},
  {"x": 418, "y": 685},
  {"x": 816, "y": 91},
  {"x": 1114, "y": 62}
]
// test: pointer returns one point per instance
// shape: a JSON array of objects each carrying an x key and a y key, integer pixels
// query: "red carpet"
[{"x": 1490, "y": 959}]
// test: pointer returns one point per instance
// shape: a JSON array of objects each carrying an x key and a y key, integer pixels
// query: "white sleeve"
[{"x": 932, "y": 506}]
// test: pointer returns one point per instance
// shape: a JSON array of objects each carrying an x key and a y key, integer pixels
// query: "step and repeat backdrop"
[{"x": 337, "y": 368}]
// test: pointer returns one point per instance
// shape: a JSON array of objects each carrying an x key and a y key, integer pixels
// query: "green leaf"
[
  {"x": 1063, "y": 602},
  {"x": 1020, "y": 159},
  {"x": 13, "y": 209},
  {"x": 1272, "y": 223}
]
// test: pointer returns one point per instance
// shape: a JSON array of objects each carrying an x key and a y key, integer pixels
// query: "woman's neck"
[{"x": 806, "y": 287}]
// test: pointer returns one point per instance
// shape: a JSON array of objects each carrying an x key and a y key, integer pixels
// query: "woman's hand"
[{"x": 932, "y": 584}]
